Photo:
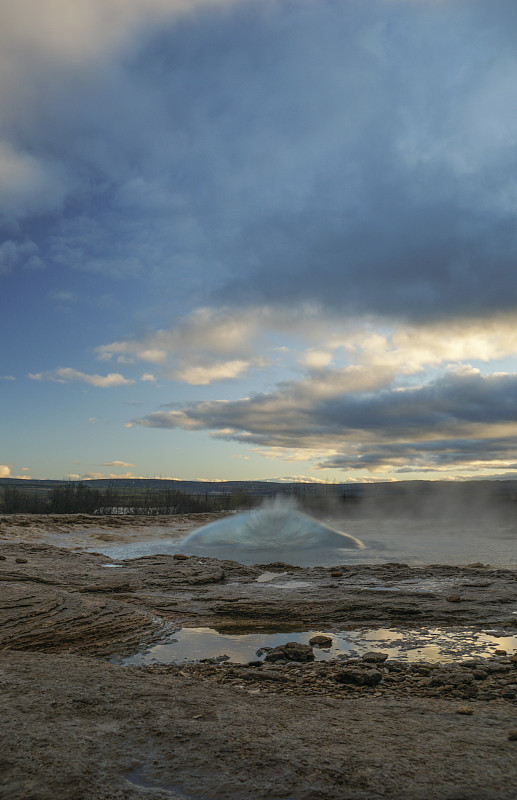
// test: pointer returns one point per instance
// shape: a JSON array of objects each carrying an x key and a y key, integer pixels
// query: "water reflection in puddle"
[{"x": 429, "y": 644}]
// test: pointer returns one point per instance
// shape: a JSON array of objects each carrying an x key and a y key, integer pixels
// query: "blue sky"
[{"x": 258, "y": 240}]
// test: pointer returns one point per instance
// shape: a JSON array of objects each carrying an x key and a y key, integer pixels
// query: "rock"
[
  {"x": 513, "y": 659},
  {"x": 375, "y": 657},
  {"x": 321, "y": 640},
  {"x": 21, "y": 560},
  {"x": 292, "y": 651},
  {"x": 465, "y": 710},
  {"x": 500, "y": 652},
  {"x": 180, "y": 557},
  {"x": 442, "y": 677},
  {"x": 336, "y": 573},
  {"x": 453, "y": 598},
  {"x": 359, "y": 677},
  {"x": 3, "y": 558},
  {"x": 512, "y": 735}
]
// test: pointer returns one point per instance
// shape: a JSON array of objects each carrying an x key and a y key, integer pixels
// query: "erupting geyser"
[{"x": 273, "y": 529}]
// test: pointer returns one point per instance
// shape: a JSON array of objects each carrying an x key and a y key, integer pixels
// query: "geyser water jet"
[{"x": 276, "y": 529}]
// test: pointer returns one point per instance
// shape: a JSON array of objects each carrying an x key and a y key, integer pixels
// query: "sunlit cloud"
[
  {"x": 5, "y": 471},
  {"x": 66, "y": 374},
  {"x": 118, "y": 464}
]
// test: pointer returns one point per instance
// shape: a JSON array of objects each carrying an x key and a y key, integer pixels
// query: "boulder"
[{"x": 292, "y": 651}]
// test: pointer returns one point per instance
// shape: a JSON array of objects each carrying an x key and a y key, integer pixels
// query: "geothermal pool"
[
  {"x": 407, "y": 645},
  {"x": 408, "y": 541}
]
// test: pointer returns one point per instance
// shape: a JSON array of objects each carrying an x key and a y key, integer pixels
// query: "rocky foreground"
[{"x": 76, "y": 725}]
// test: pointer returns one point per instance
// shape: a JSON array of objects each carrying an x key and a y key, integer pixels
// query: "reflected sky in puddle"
[{"x": 430, "y": 644}]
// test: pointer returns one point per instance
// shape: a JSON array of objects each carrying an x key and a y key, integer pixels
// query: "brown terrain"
[{"x": 79, "y": 722}]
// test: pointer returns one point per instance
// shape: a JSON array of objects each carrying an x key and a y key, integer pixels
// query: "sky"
[{"x": 266, "y": 240}]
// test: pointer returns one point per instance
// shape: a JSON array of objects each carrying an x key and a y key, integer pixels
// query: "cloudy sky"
[{"x": 262, "y": 239}]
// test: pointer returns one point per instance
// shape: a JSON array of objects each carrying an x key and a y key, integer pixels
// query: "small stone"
[
  {"x": 375, "y": 657},
  {"x": 3, "y": 558},
  {"x": 500, "y": 652},
  {"x": 513, "y": 659},
  {"x": 21, "y": 560},
  {"x": 321, "y": 640},
  {"x": 336, "y": 573},
  {"x": 453, "y": 598},
  {"x": 466, "y": 710},
  {"x": 180, "y": 557},
  {"x": 512, "y": 735}
]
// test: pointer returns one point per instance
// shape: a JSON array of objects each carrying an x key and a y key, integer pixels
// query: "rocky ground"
[{"x": 77, "y": 725}]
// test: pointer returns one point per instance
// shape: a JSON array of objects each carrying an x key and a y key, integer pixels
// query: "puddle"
[
  {"x": 112, "y": 566},
  {"x": 138, "y": 777},
  {"x": 416, "y": 644},
  {"x": 266, "y": 577}
]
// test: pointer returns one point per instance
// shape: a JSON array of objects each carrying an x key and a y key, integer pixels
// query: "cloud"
[
  {"x": 420, "y": 425},
  {"x": 5, "y": 471},
  {"x": 18, "y": 254},
  {"x": 223, "y": 145},
  {"x": 7, "y": 378},
  {"x": 66, "y": 374},
  {"x": 118, "y": 464},
  {"x": 148, "y": 376},
  {"x": 206, "y": 345}
]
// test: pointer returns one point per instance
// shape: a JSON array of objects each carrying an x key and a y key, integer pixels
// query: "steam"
[{"x": 277, "y": 528}]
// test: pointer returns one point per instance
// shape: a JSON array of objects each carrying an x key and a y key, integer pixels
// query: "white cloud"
[
  {"x": 219, "y": 371},
  {"x": 7, "y": 378},
  {"x": 118, "y": 464},
  {"x": 5, "y": 471},
  {"x": 148, "y": 376},
  {"x": 66, "y": 374},
  {"x": 73, "y": 476}
]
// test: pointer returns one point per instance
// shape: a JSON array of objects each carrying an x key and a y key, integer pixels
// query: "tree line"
[{"x": 79, "y": 498}]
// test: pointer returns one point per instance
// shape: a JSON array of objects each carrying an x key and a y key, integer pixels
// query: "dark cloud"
[
  {"x": 357, "y": 154},
  {"x": 452, "y": 420}
]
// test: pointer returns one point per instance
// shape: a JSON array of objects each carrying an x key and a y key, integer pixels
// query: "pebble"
[
  {"x": 465, "y": 710},
  {"x": 453, "y": 598},
  {"x": 512, "y": 735},
  {"x": 180, "y": 557},
  {"x": 21, "y": 560},
  {"x": 336, "y": 573}
]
